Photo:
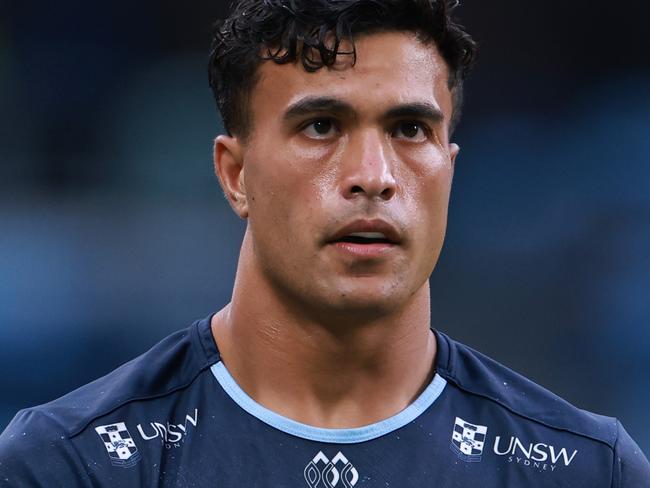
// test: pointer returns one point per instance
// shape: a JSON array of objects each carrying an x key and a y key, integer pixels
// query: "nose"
[{"x": 368, "y": 169}]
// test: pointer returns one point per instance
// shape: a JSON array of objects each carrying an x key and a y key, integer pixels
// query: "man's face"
[{"x": 347, "y": 175}]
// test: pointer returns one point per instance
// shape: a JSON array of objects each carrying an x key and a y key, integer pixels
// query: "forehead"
[{"x": 391, "y": 68}]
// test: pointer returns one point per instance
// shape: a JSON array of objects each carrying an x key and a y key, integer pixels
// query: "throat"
[
  {"x": 332, "y": 377},
  {"x": 343, "y": 390}
]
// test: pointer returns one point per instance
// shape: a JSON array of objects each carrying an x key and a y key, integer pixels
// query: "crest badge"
[
  {"x": 120, "y": 445},
  {"x": 467, "y": 440}
]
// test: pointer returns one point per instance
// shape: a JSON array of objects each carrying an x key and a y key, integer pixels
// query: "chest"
[{"x": 252, "y": 454}]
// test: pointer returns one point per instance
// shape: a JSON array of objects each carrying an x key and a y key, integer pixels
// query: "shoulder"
[
  {"x": 47, "y": 432},
  {"x": 476, "y": 374},
  {"x": 170, "y": 365},
  {"x": 528, "y": 422}
]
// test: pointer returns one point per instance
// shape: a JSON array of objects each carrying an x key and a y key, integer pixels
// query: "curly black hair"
[{"x": 287, "y": 31}]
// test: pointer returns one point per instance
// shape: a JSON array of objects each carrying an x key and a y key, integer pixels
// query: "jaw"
[
  {"x": 363, "y": 302},
  {"x": 362, "y": 292},
  {"x": 315, "y": 294}
]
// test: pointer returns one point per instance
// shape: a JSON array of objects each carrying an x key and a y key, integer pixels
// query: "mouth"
[
  {"x": 366, "y": 238},
  {"x": 374, "y": 231}
]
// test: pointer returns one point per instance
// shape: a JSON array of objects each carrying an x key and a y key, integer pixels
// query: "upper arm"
[
  {"x": 35, "y": 451},
  {"x": 631, "y": 467}
]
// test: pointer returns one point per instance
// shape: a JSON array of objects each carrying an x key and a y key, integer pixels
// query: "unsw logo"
[
  {"x": 468, "y": 441},
  {"x": 534, "y": 454},
  {"x": 121, "y": 447},
  {"x": 329, "y": 474},
  {"x": 171, "y": 435}
]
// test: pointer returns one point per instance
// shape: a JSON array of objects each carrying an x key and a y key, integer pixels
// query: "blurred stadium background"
[{"x": 113, "y": 231}]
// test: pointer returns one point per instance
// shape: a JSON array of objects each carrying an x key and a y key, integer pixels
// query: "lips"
[{"x": 367, "y": 232}]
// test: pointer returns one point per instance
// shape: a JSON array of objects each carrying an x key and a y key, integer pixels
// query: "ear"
[
  {"x": 454, "y": 149},
  {"x": 229, "y": 168}
]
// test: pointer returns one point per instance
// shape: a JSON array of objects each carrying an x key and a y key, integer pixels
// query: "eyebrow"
[
  {"x": 417, "y": 110},
  {"x": 312, "y": 105}
]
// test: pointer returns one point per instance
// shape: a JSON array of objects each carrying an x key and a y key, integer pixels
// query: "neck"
[{"x": 335, "y": 375}]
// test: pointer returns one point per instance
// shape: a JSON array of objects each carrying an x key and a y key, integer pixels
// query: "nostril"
[{"x": 356, "y": 189}]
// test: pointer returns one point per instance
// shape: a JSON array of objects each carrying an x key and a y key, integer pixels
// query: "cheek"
[
  {"x": 285, "y": 191},
  {"x": 426, "y": 175},
  {"x": 428, "y": 201},
  {"x": 305, "y": 175}
]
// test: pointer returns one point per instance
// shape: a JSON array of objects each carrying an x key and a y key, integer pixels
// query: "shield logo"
[
  {"x": 467, "y": 440},
  {"x": 120, "y": 445}
]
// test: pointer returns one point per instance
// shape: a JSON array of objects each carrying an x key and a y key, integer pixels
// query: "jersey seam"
[
  {"x": 198, "y": 336},
  {"x": 138, "y": 399},
  {"x": 85, "y": 425},
  {"x": 614, "y": 455},
  {"x": 206, "y": 363},
  {"x": 453, "y": 379},
  {"x": 446, "y": 374},
  {"x": 447, "y": 350}
]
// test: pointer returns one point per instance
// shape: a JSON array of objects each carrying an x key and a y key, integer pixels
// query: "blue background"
[{"x": 114, "y": 233}]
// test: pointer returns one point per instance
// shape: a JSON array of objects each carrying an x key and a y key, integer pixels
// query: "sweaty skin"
[{"x": 337, "y": 335}]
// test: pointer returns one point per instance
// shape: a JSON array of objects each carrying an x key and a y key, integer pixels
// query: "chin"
[{"x": 367, "y": 298}]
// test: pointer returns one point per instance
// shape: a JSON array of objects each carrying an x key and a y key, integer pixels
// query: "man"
[{"x": 323, "y": 370}]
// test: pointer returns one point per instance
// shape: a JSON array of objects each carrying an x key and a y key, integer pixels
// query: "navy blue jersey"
[{"x": 175, "y": 417}]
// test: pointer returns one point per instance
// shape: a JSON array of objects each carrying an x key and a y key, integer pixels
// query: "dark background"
[{"x": 113, "y": 231}]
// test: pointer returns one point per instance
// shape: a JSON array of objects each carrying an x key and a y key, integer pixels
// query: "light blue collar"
[{"x": 334, "y": 436}]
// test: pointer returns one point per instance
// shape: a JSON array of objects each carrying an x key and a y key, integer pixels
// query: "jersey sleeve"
[
  {"x": 631, "y": 467},
  {"x": 36, "y": 452}
]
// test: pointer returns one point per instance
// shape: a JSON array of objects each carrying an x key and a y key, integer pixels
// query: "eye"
[
  {"x": 320, "y": 129},
  {"x": 411, "y": 131}
]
